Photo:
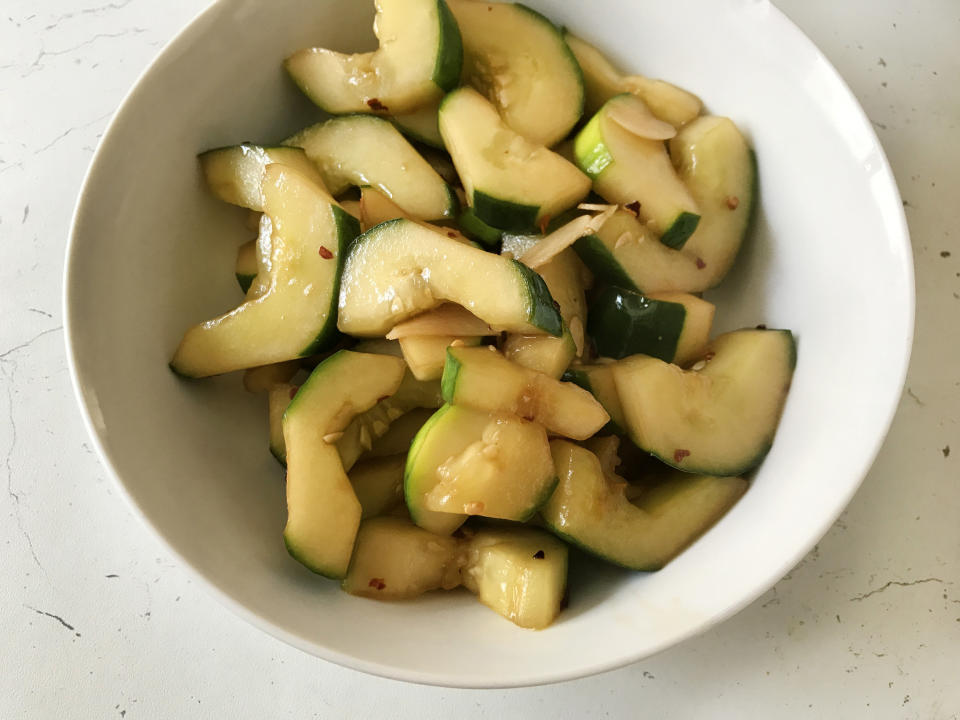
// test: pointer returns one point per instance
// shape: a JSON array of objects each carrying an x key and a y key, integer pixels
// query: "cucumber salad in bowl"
[{"x": 474, "y": 306}]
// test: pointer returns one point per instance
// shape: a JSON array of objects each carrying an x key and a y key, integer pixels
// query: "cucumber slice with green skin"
[
  {"x": 378, "y": 483},
  {"x": 542, "y": 353},
  {"x": 476, "y": 229},
  {"x": 720, "y": 170},
  {"x": 398, "y": 269},
  {"x": 323, "y": 512},
  {"x": 598, "y": 381},
  {"x": 246, "y": 265},
  {"x": 366, "y": 150},
  {"x": 396, "y": 560},
  {"x": 296, "y": 316},
  {"x": 520, "y": 573},
  {"x": 426, "y": 354},
  {"x": 511, "y": 182},
  {"x": 591, "y": 510},
  {"x": 602, "y": 81},
  {"x": 235, "y": 173},
  {"x": 420, "y": 57},
  {"x": 265, "y": 377},
  {"x": 399, "y": 437},
  {"x": 627, "y": 169},
  {"x": 517, "y": 58},
  {"x": 673, "y": 327},
  {"x": 278, "y": 400},
  {"x": 467, "y": 462},
  {"x": 719, "y": 419},
  {"x": 421, "y": 124},
  {"x": 487, "y": 381}
]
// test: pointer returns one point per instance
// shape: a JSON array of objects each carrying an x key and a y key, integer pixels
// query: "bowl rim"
[{"x": 898, "y": 228}]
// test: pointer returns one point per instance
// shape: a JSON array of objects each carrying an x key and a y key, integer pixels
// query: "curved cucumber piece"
[
  {"x": 396, "y": 560},
  {"x": 476, "y": 229},
  {"x": 602, "y": 81},
  {"x": 246, "y": 265},
  {"x": 543, "y": 353},
  {"x": 323, "y": 512},
  {"x": 598, "y": 381},
  {"x": 421, "y": 124},
  {"x": 517, "y": 58},
  {"x": 419, "y": 58},
  {"x": 627, "y": 169},
  {"x": 487, "y": 381},
  {"x": 720, "y": 170},
  {"x": 718, "y": 420},
  {"x": 235, "y": 173},
  {"x": 378, "y": 484},
  {"x": 673, "y": 327},
  {"x": 592, "y": 511},
  {"x": 520, "y": 573},
  {"x": 399, "y": 268},
  {"x": 367, "y": 150},
  {"x": 468, "y": 462},
  {"x": 296, "y": 316},
  {"x": 426, "y": 354},
  {"x": 511, "y": 182}
]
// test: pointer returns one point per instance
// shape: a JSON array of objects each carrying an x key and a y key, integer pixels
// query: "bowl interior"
[{"x": 152, "y": 253}]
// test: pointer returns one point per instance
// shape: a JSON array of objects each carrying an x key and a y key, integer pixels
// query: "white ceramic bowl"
[{"x": 152, "y": 252}]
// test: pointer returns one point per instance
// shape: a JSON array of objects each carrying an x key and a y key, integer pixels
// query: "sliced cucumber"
[
  {"x": 718, "y": 419},
  {"x": 602, "y": 81},
  {"x": 511, "y": 182},
  {"x": 476, "y": 229},
  {"x": 278, "y": 400},
  {"x": 543, "y": 353},
  {"x": 378, "y": 483},
  {"x": 246, "y": 265},
  {"x": 720, "y": 170},
  {"x": 366, "y": 150},
  {"x": 323, "y": 512},
  {"x": 598, "y": 381},
  {"x": 467, "y": 462},
  {"x": 673, "y": 327},
  {"x": 396, "y": 560},
  {"x": 421, "y": 124},
  {"x": 398, "y": 438},
  {"x": 419, "y": 58},
  {"x": 296, "y": 316},
  {"x": 235, "y": 173},
  {"x": 628, "y": 169},
  {"x": 265, "y": 377},
  {"x": 517, "y": 58},
  {"x": 487, "y": 381},
  {"x": 398, "y": 269},
  {"x": 426, "y": 354},
  {"x": 591, "y": 510},
  {"x": 520, "y": 573},
  {"x": 446, "y": 319},
  {"x": 376, "y": 208}
]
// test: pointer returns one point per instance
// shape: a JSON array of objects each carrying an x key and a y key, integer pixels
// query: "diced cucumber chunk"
[
  {"x": 246, "y": 266},
  {"x": 487, "y": 381},
  {"x": 235, "y": 173},
  {"x": 602, "y": 81},
  {"x": 419, "y": 58},
  {"x": 591, "y": 510},
  {"x": 398, "y": 269},
  {"x": 511, "y": 182},
  {"x": 378, "y": 484},
  {"x": 517, "y": 58},
  {"x": 673, "y": 327},
  {"x": 598, "y": 381},
  {"x": 396, "y": 560},
  {"x": 426, "y": 354},
  {"x": 520, "y": 573},
  {"x": 323, "y": 512},
  {"x": 366, "y": 150},
  {"x": 628, "y": 169},
  {"x": 543, "y": 353},
  {"x": 719, "y": 418},
  {"x": 296, "y": 316}
]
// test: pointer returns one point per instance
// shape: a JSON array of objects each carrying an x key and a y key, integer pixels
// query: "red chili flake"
[
  {"x": 539, "y": 555},
  {"x": 544, "y": 221},
  {"x": 679, "y": 454},
  {"x": 376, "y": 105},
  {"x": 700, "y": 264},
  {"x": 633, "y": 207},
  {"x": 451, "y": 234},
  {"x": 377, "y": 583},
  {"x": 293, "y": 391},
  {"x": 324, "y": 253},
  {"x": 733, "y": 202},
  {"x": 761, "y": 326}
]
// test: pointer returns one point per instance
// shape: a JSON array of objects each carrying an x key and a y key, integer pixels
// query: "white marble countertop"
[{"x": 97, "y": 621}]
